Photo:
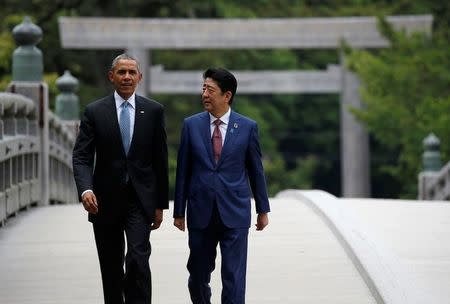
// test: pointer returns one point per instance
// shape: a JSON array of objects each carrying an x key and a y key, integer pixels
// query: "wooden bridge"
[{"x": 317, "y": 249}]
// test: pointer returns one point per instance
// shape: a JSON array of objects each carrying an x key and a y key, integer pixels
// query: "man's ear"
[
  {"x": 228, "y": 95},
  {"x": 111, "y": 76}
]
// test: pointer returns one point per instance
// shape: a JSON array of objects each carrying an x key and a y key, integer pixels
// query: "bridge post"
[
  {"x": 67, "y": 105},
  {"x": 67, "y": 109},
  {"x": 431, "y": 165},
  {"x": 27, "y": 71},
  {"x": 431, "y": 158}
]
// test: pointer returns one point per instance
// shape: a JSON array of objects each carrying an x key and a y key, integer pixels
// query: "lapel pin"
[
  {"x": 142, "y": 112},
  {"x": 235, "y": 125}
]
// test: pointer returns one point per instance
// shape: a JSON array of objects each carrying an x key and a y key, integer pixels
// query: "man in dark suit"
[
  {"x": 219, "y": 155},
  {"x": 120, "y": 169}
]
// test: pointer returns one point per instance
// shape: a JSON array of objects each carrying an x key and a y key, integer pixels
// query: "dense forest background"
[{"x": 406, "y": 87}]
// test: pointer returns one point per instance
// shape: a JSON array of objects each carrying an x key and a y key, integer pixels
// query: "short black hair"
[
  {"x": 224, "y": 79},
  {"x": 124, "y": 56}
]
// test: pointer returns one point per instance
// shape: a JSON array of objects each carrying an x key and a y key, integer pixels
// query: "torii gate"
[{"x": 140, "y": 35}]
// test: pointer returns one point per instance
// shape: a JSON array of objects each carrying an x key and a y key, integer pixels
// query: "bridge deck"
[{"x": 47, "y": 256}]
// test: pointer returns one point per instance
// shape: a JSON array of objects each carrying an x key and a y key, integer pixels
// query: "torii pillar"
[{"x": 143, "y": 57}]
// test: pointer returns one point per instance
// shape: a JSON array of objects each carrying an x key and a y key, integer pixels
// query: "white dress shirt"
[
  {"x": 225, "y": 119},
  {"x": 119, "y": 100}
]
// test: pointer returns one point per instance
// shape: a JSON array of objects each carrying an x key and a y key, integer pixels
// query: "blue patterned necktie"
[{"x": 124, "y": 122}]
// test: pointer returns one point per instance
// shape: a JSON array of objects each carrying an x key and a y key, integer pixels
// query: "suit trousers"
[
  {"x": 201, "y": 263},
  {"x": 134, "y": 285}
]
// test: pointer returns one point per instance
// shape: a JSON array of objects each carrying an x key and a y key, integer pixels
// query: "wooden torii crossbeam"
[
  {"x": 168, "y": 33},
  {"x": 251, "y": 82}
]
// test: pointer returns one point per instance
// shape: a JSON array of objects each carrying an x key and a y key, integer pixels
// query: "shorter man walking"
[{"x": 219, "y": 161}]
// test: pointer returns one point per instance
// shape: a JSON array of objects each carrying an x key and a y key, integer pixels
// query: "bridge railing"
[
  {"x": 62, "y": 139},
  {"x": 435, "y": 185},
  {"x": 434, "y": 180},
  {"x": 19, "y": 155}
]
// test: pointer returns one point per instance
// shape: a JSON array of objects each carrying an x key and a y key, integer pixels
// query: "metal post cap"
[
  {"x": 67, "y": 83},
  {"x": 431, "y": 142},
  {"x": 27, "y": 33}
]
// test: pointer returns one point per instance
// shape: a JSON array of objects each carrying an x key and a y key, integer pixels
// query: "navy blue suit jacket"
[{"x": 200, "y": 182}]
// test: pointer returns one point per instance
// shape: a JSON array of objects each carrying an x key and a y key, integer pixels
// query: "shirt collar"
[
  {"x": 225, "y": 119},
  {"x": 119, "y": 100}
]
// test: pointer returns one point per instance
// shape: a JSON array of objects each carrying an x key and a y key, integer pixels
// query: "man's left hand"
[
  {"x": 262, "y": 221},
  {"x": 158, "y": 219}
]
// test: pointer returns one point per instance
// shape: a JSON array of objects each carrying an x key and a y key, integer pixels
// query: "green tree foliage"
[
  {"x": 299, "y": 134},
  {"x": 407, "y": 93}
]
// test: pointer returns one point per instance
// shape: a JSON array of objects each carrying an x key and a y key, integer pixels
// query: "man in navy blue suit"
[{"x": 219, "y": 162}]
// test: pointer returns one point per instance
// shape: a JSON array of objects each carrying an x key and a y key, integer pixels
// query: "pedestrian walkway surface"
[
  {"x": 48, "y": 256},
  {"x": 317, "y": 249}
]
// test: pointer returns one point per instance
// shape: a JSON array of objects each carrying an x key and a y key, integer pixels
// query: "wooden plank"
[{"x": 48, "y": 256}]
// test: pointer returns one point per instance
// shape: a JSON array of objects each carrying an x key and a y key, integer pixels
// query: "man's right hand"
[
  {"x": 179, "y": 223},
  {"x": 90, "y": 202}
]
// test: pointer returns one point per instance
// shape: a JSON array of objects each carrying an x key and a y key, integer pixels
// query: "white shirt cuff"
[{"x": 86, "y": 191}]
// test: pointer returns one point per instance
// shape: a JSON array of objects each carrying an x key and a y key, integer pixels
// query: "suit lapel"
[
  {"x": 232, "y": 133},
  {"x": 111, "y": 117},
  {"x": 205, "y": 131}
]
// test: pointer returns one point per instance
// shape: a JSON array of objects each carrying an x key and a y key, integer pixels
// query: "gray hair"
[{"x": 124, "y": 56}]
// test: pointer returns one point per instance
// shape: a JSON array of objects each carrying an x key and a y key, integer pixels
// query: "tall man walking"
[
  {"x": 219, "y": 160},
  {"x": 123, "y": 136}
]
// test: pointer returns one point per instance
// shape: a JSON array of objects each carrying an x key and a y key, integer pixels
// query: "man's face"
[
  {"x": 125, "y": 77},
  {"x": 214, "y": 100}
]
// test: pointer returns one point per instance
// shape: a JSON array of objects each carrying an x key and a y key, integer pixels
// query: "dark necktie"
[{"x": 217, "y": 140}]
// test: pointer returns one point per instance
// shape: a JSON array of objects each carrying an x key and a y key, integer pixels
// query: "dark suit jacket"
[
  {"x": 200, "y": 182},
  {"x": 100, "y": 163}
]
